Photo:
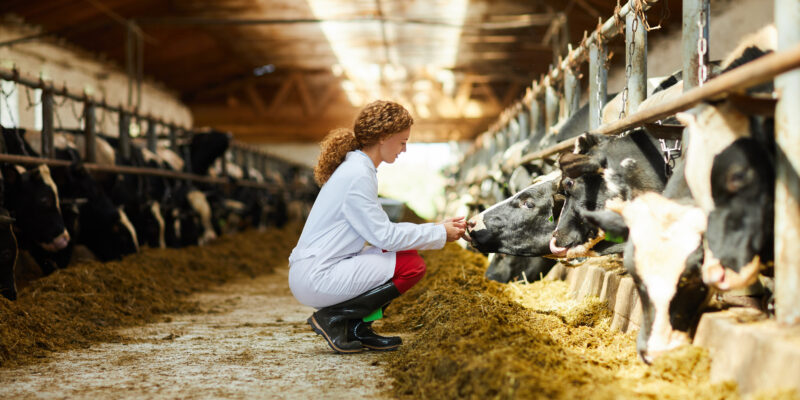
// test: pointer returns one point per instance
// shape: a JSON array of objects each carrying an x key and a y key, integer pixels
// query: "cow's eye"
[
  {"x": 569, "y": 183},
  {"x": 529, "y": 203}
]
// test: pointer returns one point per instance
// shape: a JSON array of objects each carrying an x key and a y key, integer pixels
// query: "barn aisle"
[{"x": 248, "y": 339}]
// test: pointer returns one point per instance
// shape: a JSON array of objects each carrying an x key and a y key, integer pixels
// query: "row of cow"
[
  {"x": 690, "y": 224},
  {"x": 48, "y": 211}
]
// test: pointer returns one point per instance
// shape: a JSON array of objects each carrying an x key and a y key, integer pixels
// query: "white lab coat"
[{"x": 330, "y": 263}]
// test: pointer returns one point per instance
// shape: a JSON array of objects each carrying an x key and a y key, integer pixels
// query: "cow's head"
[
  {"x": 32, "y": 196},
  {"x": 663, "y": 255},
  {"x": 600, "y": 169},
  {"x": 207, "y": 147},
  {"x": 520, "y": 225},
  {"x": 740, "y": 227},
  {"x": 585, "y": 189}
]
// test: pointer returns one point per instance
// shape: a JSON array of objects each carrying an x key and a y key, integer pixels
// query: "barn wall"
[{"x": 80, "y": 71}]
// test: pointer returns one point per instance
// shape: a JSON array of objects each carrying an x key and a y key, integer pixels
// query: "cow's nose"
[{"x": 472, "y": 222}]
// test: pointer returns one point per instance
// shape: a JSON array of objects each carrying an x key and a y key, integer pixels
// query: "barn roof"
[{"x": 289, "y": 71}]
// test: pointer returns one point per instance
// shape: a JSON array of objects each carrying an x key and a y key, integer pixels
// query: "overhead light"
[{"x": 264, "y": 69}]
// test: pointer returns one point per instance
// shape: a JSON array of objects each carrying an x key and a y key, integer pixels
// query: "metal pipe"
[
  {"x": 550, "y": 108},
  {"x": 693, "y": 11},
  {"x": 572, "y": 90},
  {"x": 48, "y": 109},
  {"x": 524, "y": 128},
  {"x": 598, "y": 83},
  {"x": 537, "y": 119},
  {"x": 14, "y": 76},
  {"x": 787, "y": 183},
  {"x": 125, "y": 135},
  {"x": 121, "y": 169},
  {"x": 152, "y": 139},
  {"x": 173, "y": 138},
  {"x": 751, "y": 74},
  {"x": 636, "y": 61},
  {"x": 89, "y": 132}
]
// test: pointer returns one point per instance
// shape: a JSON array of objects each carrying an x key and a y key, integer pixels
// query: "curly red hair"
[{"x": 376, "y": 121}]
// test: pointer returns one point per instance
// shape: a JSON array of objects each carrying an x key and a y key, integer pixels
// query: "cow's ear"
[
  {"x": 586, "y": 141},
  {"x": 576, "y": 165},
  {"x": 11, "y": 174}
]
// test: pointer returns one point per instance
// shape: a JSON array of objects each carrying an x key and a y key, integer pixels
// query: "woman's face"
[{"x": 392, "y": 146}]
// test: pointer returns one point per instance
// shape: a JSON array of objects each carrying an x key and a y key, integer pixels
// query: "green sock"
[{"x": 376, "y": 315}]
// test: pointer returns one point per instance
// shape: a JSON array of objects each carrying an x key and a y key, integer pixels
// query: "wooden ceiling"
[{"x": 267, "y": 69}]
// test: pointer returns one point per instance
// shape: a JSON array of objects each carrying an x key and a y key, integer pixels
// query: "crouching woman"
[{"x": 331, "y": 269}]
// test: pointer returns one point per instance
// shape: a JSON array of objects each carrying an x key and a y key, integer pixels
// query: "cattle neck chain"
[
  {"x": 670, "y": 155},
  {"x": 702, "y": 48},
  {"x": 629, "y": 68},
  {"x": 78, "y": 115},
  {"x": 31, "y": 103}
]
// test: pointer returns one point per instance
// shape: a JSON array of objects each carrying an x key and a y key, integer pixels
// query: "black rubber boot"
[
  {"x": 332, "y": 322},
  {"x": 362, "y": 331}
]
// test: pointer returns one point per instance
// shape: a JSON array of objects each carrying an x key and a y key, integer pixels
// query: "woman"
[{"x": 331, "y": 268}]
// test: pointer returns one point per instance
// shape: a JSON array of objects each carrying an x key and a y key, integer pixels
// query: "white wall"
[{"x": 80, "y": 71}]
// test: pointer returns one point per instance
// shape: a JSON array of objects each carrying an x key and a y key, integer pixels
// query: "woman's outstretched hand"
[{"x": 455, "y": 227}]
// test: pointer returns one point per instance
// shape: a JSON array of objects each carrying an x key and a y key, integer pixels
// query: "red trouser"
[{"x": 409, "y": 268}]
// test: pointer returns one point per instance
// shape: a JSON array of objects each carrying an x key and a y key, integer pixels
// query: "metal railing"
[
  {"x": 244, "y": 155},
  {"x": 541, "y": 106}
]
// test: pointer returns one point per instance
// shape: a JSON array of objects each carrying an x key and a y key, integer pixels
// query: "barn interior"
[{"x": 279, "y": 75}]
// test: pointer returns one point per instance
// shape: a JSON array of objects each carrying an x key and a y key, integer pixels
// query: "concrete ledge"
[{"x": 758, "y": 355}]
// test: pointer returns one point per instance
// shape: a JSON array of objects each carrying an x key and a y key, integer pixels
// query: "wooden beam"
[
  {"x": 282, "y": 93},
  {"x": 255, "y": 99},
  {"x": 305, "y": 96}
]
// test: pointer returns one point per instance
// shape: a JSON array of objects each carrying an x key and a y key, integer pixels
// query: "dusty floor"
[{"x": 250, "y": 341}]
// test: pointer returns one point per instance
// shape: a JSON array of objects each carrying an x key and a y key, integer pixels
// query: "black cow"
[
  {"x": 8, "y": 251},
  {"x": 504, "y": 268},
  {"x": 603, "y": 168}
]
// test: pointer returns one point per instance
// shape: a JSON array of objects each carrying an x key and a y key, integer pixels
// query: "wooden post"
[
  {"x": 89, "y": 131},
  {"x": 48, "y": 106},
  {"x": 787, "y": 184}
]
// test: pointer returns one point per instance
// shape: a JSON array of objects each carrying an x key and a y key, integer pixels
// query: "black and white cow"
[
  {"x": 600, "y": 169},
  {"x": 8, "y": 251},
  {"x": 520, "y": 225}
]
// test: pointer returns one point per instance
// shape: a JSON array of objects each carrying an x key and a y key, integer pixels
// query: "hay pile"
[
  {"x": 84, "y": 303},
  {"x": 479, "y": 339}
]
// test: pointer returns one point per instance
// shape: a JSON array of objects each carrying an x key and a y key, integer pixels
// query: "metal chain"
[
  {"x": 597, "y": 85},
  {"x": 31, "y": 103},
  {"x": 670, "y": 154},
  {"x": 78, "y": 116},
  {"x": 628, "y": 67},
  {"x": 702, "y": 49},
  {"x": 8, "y": 105}
]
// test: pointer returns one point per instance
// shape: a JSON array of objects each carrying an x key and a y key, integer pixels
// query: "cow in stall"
[
  {"x": 8, "y": 250},
  {"x": 602, "y": 168},
  {"x": 712, "y": 228},
  {"x": 94, "y": 221},
  {"x": 32, "y": 200}
]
